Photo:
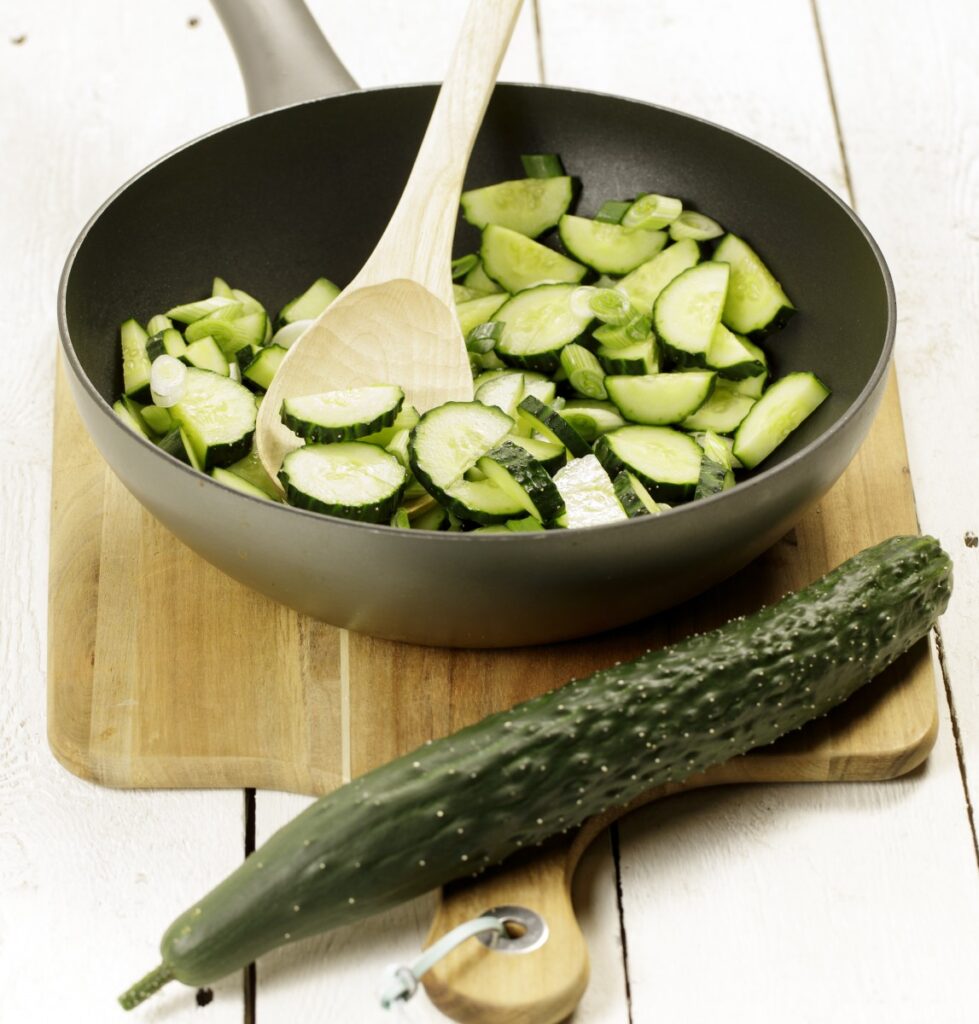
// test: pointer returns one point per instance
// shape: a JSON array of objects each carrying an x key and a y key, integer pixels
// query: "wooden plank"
[
  {"x": 822, "y": 886},
  {"x": 910, "y": 123},
  {"x": 88, "y": 877}
]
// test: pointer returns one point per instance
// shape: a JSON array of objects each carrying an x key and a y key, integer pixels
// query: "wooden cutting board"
[{"x": 165, "y": 673}]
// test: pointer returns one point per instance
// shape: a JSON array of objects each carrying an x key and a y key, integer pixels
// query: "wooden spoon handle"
[{"x": 418, "y": 237}]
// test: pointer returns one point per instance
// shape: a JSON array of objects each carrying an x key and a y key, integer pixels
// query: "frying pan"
[{"x": 282, "y": 197}]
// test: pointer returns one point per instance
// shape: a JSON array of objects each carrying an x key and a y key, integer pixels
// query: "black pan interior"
[{"x": 277, "y": 200}]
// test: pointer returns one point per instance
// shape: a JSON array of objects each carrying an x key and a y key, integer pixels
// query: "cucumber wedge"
[
  {"x": 633, "y": 497},
  {"x": 776, "y": 414},
  {"x": 724, "y": 409},
  {"x": 477, "y": 279},
  {"x": 714, "y": 478},
  {"x": 547, "y": 421},
  {"x": 481, "y": 501},
  {"x": 665, "y": 461},
  {"x": 474, "y": 312},
  {"x": 349, "y": 479},
  {"x": 591, "y": 418},
  {"x": 645, "y": 283},
  {"x": 608, "y": 248},
  {"x": 343, "y": 415},
  {"x": 537, "y": 324},
  {"x": 659, "y": 399},
  {"x": 528, "y": 205},
  {"x": 588, "y": 495},
  {"x": 551, "y": 455},
  {"x": 730, "y": 355},
  {"x": 263, "y": 368},
  {"x": 136, "y": 363},
  {"x": 756, "y": 303},
  {"x": 310, "y": 304},
  {"x": 688, "y": 311},
  {"x": 516, "y": 262},
  {"x": 640, "y": 357},
  {"x": 217, "y": 415}
]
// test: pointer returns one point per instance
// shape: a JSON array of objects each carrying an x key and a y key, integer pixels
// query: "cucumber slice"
[
  {"x": 129, "y": 412},
  {"x": 191, "y": 312},
  {"x": 157, "y": 324},
  {"x": 714, "y": 478},
  {"x": 435, "y": 518},
  {"x": 538, "y": 323},
  {"x": 310, "y": 304},
  {"x": 718, "y": 449},
  {"x": 528, "y": 524},
  {"x": 463, "y": 264},
  {"x": 528, "y": 205},
  {"x": 136, "y": 362},
  {"x": 221, "y": 288},
  {"x": 658, "y": 399},
  {"x": 608, "y": 248},
  {"x": 158, "y": 420},
  {"x": 386, "y": 437},
  {"x": 724, "y": 409},
  {"x": 230, "y": 328},
  {"x": 478, "y": 311},
  {"x": 515, "y": 471},
  {"x": 756, "y": 303},
  {"x": 206, "y": 355},
  {"x": 551, "y": 455},
  {"x": 347, "y": 479},
  {"x": 251, "y": 470},
  {"x": 217, "y": 415},
  {"x": 173, "y": 444},
  {"x": 688, "y": 310},
  {"x": 591, "y": 418},
  {"x": 776, "y": 414},
  {"x": 612, "y": 336},
  {"x": 166, "y": 342},
  {"x": 343, "y": 415},
  {"x": 263, "y": 367},
  {"x": 478, "y": 279},
  {"x": 229, "y": 479},
  {"x": 639, "y": 357},
  {"x": 645, "y": 283},
  {"x": 665, "y": 461},
  {"x": 731, "y": 357},
  {"x": 588, "y": 494},
  {"x": 481, "y": 501},
  {"x": 696, "y": 226},
  {"x": 450, "y": 438},
  {"x": 460, "y": 294},
  {"x": 517, "y": 263},
  {"x": 504, "y": 390},
  {"x": 547, "y": 421},
  {"x": 539, "y": 386},
  {"x": 633, "y": 497}
]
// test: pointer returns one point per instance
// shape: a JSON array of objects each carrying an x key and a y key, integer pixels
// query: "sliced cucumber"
[
  {"x": 633, "y": 496},
  {"x": 547, "y": 421},
  {"x": 263, "y": 368},
  {"x": 659, "y": 399},
  {"x": 608, "y": 248},
  {"x": 434, "y": 518},
  {"x": 450, "y": 438},
  {"x": 517, "y": 263},
  {"x": 481, "y": 501},
  {"x": 129, "y": 412},
  {"x": 190, "y": 312},
  {"x": 343, "y": 415},
  {"x": 347, "y": 479},
  {"x": 717, "y": 448},
  {"x": 639, "y": 357},
  {"x": 205, "y": 354},
  {"x": 136, "y": 362},
  {"x": 478, "y": 311},
  {"x": 645, "y": 283},
  {"x": 158, "y": 420},
  {"x": 232, "y": 330},
  {"x": 310, "y": 304},
  {"x": 478, "y": 279},
  {"x": 591, "y": 418},
  {"x": 588, "y": 494},
  {"x": 724, "y": 409},
  {"x": 514, "y": 470},
  {"x": 217, "y": 415},
  {"x": 460, "y": 294},
  {"x": 528, "y": 205},
  {"x": 526, "y": 524},
  {"x": 731, "y": 357},
  {"x": 611, "y": 336},
  {"x": 551, "y": 455},
  {"x": 166, "y": 342},
  {"x": 776, "y": 414},
  {"x": 538, "y": 323},
  {"x": 158, "y": 324},
  {"x": 173, "y": 443},
  {"x": 233, "y": 480},
  {"x": 688, "y": 310},
  {"x": 666, "y": 461},
  {"x": 406, "y": 419},
  {"x": 251, "y": 470},
  {"x": 504, "y": 390},
  {"x": 714, "y": 478},
  {"x": 756, "y": 303}
]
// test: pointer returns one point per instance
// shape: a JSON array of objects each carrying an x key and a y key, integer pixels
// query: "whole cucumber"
[{"x": 460, "y": 804}]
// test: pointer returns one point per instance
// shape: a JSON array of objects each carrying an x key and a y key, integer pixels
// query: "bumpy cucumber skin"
[{"x": 459, "y": 804}]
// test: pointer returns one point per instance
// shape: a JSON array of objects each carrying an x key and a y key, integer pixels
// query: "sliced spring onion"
[
  {"x": 612, "y": 211},
  {"x": 581, "y": 300},
  {"x": 542, "y": 165},
  {"x": 483, "y": 337},
  {"x": 168, "y": 378},
  {"x": 286, "y": 337},
  {"x": 464, "y": 264},
  {"x": 651, "y": 212},
  {"x": 612, "y": 306},
  {"x": 696, "y": 226},
  {"x": 584, "y": 371}
]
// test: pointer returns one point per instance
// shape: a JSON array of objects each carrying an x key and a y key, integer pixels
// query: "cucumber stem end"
[{"x": 146, "y": 986}]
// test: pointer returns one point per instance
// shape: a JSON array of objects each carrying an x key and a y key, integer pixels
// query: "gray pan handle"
[{"x": 283, "y": 56}]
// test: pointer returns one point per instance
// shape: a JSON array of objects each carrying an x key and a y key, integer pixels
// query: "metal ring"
[{"x": 533, "y": 931}]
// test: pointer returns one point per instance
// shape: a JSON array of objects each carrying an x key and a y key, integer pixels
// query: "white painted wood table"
[{"x": 843, "y": 903}]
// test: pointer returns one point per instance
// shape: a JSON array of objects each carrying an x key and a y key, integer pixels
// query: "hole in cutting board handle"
[{"x": 525, "y": 930}]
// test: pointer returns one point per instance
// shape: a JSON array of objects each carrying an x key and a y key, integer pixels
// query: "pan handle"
[{"x": 283, "y": 56}]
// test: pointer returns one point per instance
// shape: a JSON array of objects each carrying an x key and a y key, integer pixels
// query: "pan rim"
[{"x": 743, "y": 489}]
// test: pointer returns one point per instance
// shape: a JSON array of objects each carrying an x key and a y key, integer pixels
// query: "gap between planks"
[{"x": 939, "y": 646}]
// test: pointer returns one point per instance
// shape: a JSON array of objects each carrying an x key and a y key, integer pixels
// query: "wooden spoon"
[{"x": 395, "y": 323}]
